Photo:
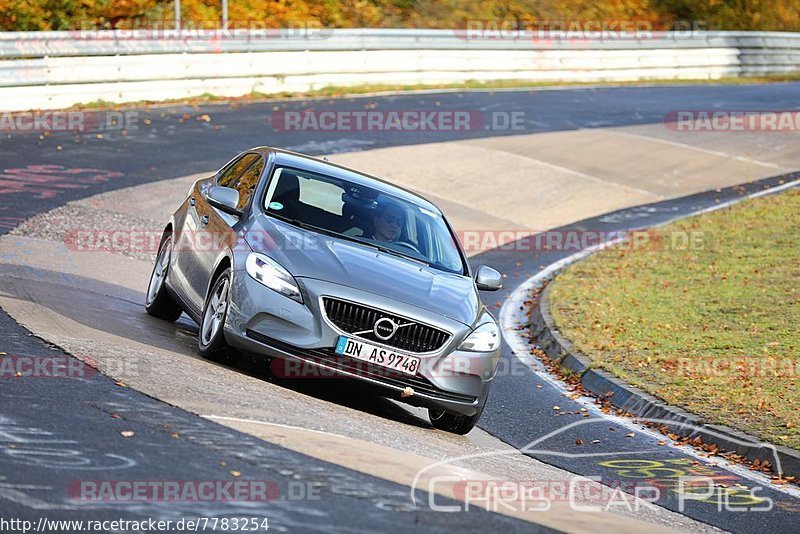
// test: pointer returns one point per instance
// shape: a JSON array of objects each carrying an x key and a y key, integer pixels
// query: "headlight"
[
  {"x": 485, "y": 338},
  {"x": 273, "y": 275}
]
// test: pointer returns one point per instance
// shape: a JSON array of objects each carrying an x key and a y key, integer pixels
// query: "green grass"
[
  {"x": 344, "y": 91},
  {"x": 715, "y": 330}
]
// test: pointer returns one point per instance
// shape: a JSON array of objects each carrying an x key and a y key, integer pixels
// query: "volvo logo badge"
[{"x": 384, "y": 328}]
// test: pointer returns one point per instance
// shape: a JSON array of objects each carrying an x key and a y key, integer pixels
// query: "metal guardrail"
[
  {"x": 56, "y": 69},
  {"x": 104, "y": 43}
]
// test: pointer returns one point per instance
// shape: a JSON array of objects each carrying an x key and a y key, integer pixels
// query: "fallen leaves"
[{"x": 761, "y": 465}]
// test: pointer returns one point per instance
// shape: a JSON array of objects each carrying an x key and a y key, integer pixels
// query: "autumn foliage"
[{"x": 31, "y": 15}]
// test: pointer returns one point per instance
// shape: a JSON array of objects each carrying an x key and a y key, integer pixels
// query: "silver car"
[{"x": 329, "y": 272}]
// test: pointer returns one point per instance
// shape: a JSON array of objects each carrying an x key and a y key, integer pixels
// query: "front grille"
[
  {"x": 359, "y": 320},
  {"x": 327, "y": 357}
]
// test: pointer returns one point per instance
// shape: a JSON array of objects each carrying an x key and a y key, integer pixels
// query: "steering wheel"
[{"x": 407, "y": 245}]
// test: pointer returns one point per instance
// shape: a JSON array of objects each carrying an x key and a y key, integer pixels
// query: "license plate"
[{"x": 367, "y": 352}]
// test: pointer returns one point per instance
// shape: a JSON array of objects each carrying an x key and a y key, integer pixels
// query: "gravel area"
[{"x": 87, "y": 228}]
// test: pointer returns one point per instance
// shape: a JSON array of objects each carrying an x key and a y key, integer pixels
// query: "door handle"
[
  {"x": 204, "y": 219},
  {"x": 192, "y": 201}
]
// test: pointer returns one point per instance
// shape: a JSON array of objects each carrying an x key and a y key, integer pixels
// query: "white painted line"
[
  {"x": 267, "y": 423},
  {"x": 512, "y": 317}
]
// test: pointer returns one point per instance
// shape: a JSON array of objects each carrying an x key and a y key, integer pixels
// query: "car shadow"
[{"x": 119, "y": 311}]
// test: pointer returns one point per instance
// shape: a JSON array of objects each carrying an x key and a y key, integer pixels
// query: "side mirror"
[
  {"x": 225, "y": 199},
  {"x": 487, "y": 279}
]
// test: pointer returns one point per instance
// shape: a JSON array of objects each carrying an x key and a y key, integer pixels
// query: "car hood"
[{"x": 308, "y": 254}]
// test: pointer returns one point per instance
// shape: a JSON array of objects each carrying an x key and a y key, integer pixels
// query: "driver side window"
[
  {"x": 231, "y": 174},
  {"x": 247, "y": 183}
]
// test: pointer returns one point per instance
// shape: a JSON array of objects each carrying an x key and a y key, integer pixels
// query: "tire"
[
  {"x": 158, "y": 301},
  {"x": 456, "y": 423},
  {"x": 211, "y": 339}
]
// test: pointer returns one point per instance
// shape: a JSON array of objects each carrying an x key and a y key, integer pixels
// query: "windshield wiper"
[
  {"x": 305, "y": 225},
  {"x": 331, "y": 233},
  {"x": 394, "y": 252},
  {"x": 382, "y": 248}
]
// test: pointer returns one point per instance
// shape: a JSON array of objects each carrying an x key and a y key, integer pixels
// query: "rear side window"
[{"x": 231, "y": 174}]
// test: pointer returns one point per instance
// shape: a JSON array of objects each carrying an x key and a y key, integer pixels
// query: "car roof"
[{"x": 310, "y": 163}]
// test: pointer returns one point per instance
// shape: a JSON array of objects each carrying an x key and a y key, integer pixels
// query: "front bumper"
[{"x": 264, "y": 322}]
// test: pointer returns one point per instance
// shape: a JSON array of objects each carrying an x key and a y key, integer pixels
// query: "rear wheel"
[
  {"x": 158, "y": 302},
  {"x": 211, "y": 341}
]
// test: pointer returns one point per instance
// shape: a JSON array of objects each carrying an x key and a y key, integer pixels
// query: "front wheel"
[
  {"x": 158, "y": 302},
  {"x": 211, "y": 341},
  {"x": 457, "y": 423},
  {"x": 454, "y": 423}
]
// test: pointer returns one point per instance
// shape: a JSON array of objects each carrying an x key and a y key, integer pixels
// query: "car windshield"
[{"x": 360, "y": 213}]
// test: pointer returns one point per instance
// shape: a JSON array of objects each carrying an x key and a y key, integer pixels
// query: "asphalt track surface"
[{"x": 54, "y": 432}]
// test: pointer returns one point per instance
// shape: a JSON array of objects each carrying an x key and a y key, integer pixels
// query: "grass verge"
[
  {"x": 345, "y": 91},
  {"x": 713, "y": 328}
]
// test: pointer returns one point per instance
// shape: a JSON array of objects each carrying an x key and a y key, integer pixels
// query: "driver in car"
[{"x": 388, "y": 222}]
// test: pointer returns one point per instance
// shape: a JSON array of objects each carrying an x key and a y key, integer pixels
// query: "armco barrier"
[{"x": 46, "y": 70}]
